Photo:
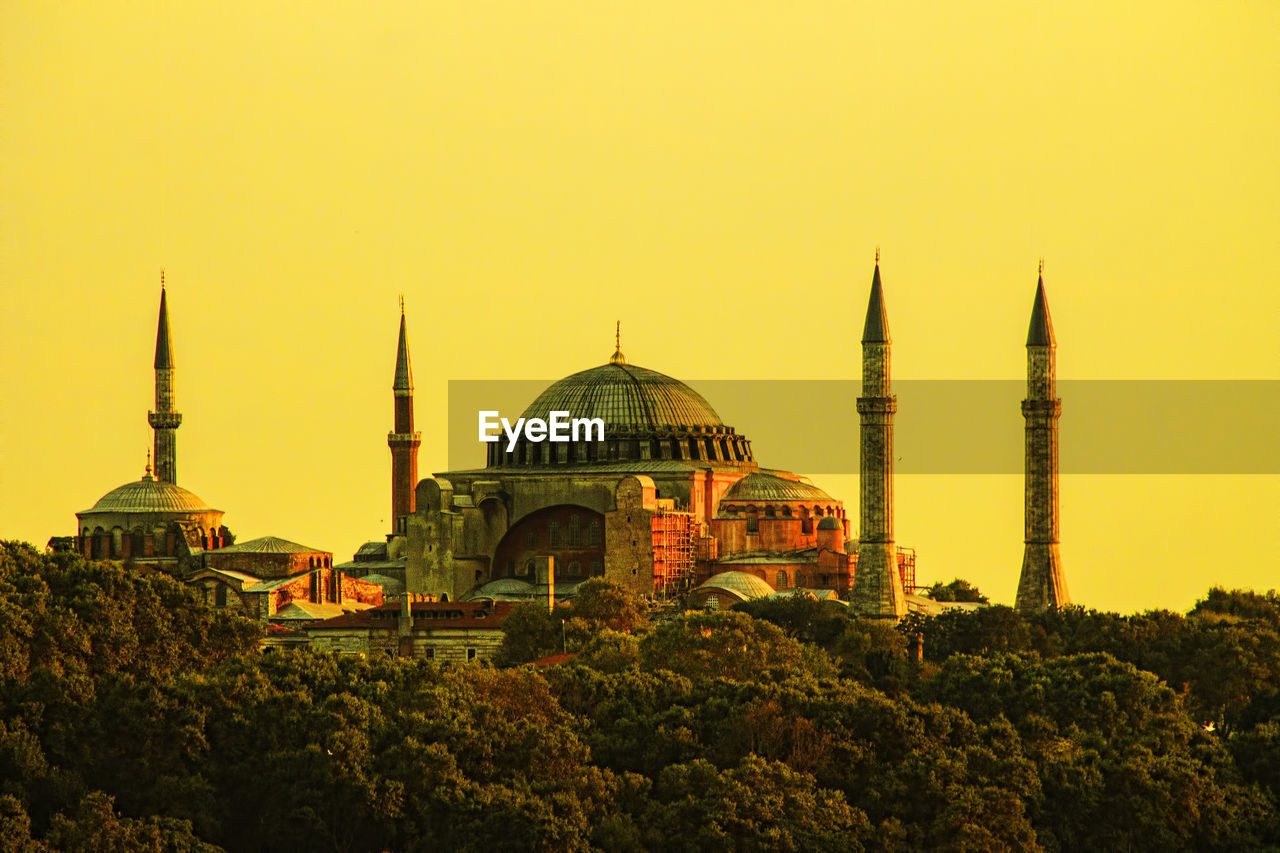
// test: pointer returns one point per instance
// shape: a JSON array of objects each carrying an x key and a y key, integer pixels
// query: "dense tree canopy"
[{"x": 132, "y": 717}]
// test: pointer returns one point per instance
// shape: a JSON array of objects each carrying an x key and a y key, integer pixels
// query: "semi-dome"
[
  {"x": 149, "y": 495},
  {"x": 760, "y": 486},
  {"x": 647, "y": 415}
]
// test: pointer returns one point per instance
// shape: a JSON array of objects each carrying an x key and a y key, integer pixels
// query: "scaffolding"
[
  {"x": 907, "y": 568},
  {"x": 674, "y": 536}
]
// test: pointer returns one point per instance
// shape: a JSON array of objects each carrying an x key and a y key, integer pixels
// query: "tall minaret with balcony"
[
  {"x": 877, "y": 584},
  {"x": 1042, "y": 585},
  {"x": 404, "y": 442},
  {"x": 164, "y": 420}
]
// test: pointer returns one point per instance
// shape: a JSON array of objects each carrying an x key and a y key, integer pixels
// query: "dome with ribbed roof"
[
  {"x": 647, "y": 415},
  {"x": 149, "y": 495},
  {"x": 760, "y": 486},
  {"x": 628, "y": 398}
]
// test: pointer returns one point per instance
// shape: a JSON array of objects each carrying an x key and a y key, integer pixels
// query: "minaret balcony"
[{"x": 164, "y": 420}]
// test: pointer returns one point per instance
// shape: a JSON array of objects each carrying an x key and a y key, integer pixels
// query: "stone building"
[
  {"x": 453, "y": 632},
  {"x": 154, "y": 521},
  {"x": 275, "y": 580},
  {"x": 671, "y": 496}
]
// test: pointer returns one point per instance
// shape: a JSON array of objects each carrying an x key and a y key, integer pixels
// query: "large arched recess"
[{"x": 573, "y": 535}]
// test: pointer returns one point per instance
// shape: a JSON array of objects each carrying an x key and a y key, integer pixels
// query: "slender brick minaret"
[
  {"x": 877, "y": 584},
  {"x": 403, "y": 440},
  {"x": 1042, "y": 585},
  {"x": 164, "y": 420}
]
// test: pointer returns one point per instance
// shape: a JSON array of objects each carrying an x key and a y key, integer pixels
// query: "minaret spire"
[
  {"x": 877, "y": 583},
  {"x": 1042, "y": 585},
  {"x": 404, "y": 372},
  {"x": 403, "y": 440},
  {"x": 617, "y": 357},
  {"x": 165, "y": 419}
]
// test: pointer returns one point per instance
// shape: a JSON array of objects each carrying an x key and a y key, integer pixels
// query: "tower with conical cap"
[
  {"x": 164, "y": 420},
  {"x": 1042, "y": 585},
  {"x": 404, "y": 442},
  {"x": 877, "y": 584}
]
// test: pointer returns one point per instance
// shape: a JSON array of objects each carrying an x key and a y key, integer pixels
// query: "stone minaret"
[
  {"x": 403, "y": 440},
  {"x": 164, "y": 420},
  {"x": 1042, "y": 584},
  {"x": 877, "y": 584}
]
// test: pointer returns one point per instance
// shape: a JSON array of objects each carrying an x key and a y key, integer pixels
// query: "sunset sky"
[{"x": 717, "y": 175}]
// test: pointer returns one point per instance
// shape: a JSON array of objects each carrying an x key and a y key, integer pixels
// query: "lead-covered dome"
[
  {"x": 760, "y": 486},
  {"x": 647, "y": 416},
  {"x": 149, "y": 495},
  {"x": 628, "y": 398}
]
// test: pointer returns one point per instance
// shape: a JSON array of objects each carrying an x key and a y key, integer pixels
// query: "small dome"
[
  {"x": 502, "y": 589},
  {"x": 766, "y": 487},
  {"x": 830, "y": 522},
  {"x": 149, "y": 495},
  {"x": 745, "y": 585}
]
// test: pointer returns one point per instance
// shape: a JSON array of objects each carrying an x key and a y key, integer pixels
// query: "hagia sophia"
[{"x": 671, "y": 505}]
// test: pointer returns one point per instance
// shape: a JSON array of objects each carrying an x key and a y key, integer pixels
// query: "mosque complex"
[{"x": 670, "y": 503}]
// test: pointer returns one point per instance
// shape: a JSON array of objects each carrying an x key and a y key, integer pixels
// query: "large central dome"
[
  {"x": 647, "y": 416},
  {"x": 629, "y": 398}
]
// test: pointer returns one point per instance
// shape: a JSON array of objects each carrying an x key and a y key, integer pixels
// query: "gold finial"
[
  {"x": 1041, "y": 270},
  {"x": 877, "y": 256},
  {"x": 162, "y": 278},
  {"x": 147, "y": 475},
  {"x": 402, "y": 303},
  {"x": 617, "y": 357}
]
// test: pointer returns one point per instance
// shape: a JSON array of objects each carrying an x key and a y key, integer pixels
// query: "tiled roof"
[
  {"x": 269, "y": 545},
  {"x": 426, "y": 614}
]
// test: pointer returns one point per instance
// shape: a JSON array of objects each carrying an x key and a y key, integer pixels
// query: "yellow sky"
[{"x": 717, "y": 175}]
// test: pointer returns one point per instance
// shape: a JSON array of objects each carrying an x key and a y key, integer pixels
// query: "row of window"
[
  {"x": 566, "y": 535},
  {"x": 704, "y": 449}
]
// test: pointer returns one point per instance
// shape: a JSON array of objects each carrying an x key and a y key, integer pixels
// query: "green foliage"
[
  {"x": 727, "y": 645},
  {"x": 132, "y": 717},
  {"x": 957, "y": 590},
  {"x": 531, "y": 632},
  {"x": 986, "y": 630},
  {"x": 603, "y": 604}
]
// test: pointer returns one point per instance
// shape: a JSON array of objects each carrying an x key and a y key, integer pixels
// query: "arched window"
[
  {"x": 575, "y": 531},
  {"x": 220, "y": 595},
  {"x": 530, "y": 537},
  {"x": 593, "y": 533},
  {"x": 553, "y": 534},
  {"x": 782, "y": 580}
]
